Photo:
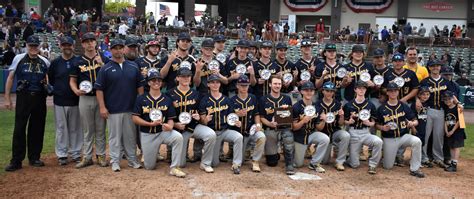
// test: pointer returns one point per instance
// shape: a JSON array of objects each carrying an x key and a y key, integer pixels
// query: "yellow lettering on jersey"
[
  {"x": 387, "y": 118},
  {"x": 441, "y": 88},
  {"x": 85, "y": 68},
  {"x": 211, "y": 110},
  {"x": 269, "y": 110},
  {"x": 184, "y": 103}
]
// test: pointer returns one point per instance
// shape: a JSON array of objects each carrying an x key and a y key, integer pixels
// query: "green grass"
[{"x": 7, "y": 119}]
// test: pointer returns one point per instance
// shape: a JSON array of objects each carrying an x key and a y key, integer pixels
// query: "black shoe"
[
  {"x": 236, "y": 169},
  {"x": 77, "y": 160},
  {"x": 427, "y": 164},
  {"x": 36, "y": 163},
  {"x": 452, "y": 167},
  {"x": 290, "y": 170},
  {"x": 193, "y": 159},
  {"x": 12, "y": 167},
  {"x": 399, "y": 162},
  {"x": 222, "y": 158},
  {"x": 62, "y": 161},
  {"x": 417, "y": 173}
]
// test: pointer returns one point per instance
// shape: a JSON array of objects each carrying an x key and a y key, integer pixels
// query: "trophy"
[
  {"x": 365, "y": 76},
  {"x": 305, "y": 75},
  {"x": 364, "y": 114},
  {"x": 341, "y": 72},
  {"x": 399, "y": 81},
  {"x": 221, "y": 58},
  {"x": 213, "y": 65},
  {"x": 283, "y": 116}
]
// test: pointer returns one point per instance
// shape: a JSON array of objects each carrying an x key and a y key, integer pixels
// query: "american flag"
[{"x": 164, "y": 10}]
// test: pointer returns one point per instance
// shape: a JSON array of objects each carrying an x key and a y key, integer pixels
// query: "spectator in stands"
[
  {"x": 457, "y": 65},
  {"x": 181, "y": 22},
  {"x": 464, "y": 81},
  {"x": 445, "y": 31},
  {"x": 434, "y": 33},
  {"x": 8, "y": 56},
  {"x": 175, "y": 21},
  {"x": 18, "y": 49},
  {"x": 29, "y": 30},
  {"x": 286, "y": 28},
  {"x": 464, "y": 31},
  {"x": 45, "y": 50},
  {"x": 449, "y": 58},
  {"x": 432, "y": 56},
  {"x": 452, "y": 33},
  {"x": 395, "y": 27},
  {"x": 319, "y": 28},
  {"x": 385, "y": 34},
  {"x": 422, "y": 30},
  {"x": 457, "y": 32},
  {"x": 407, "y": 29},
  {"x": 122, "y": 31}
]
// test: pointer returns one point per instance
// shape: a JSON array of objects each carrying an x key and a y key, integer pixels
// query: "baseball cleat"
[
  {"x": 135, "y": 165},
  {"x": 427, "y": 164},
  {"x": 115, "y": 167},
  {"x": 177, "y": 172},
  {"x": 417, "y": 173},
  {"x": 236, "y": 169},
  {"x": 339, "y": 167},
  {"x": 440, "y": 164},
  {"x": 13, "y": 167},
  {"x": 206, "y": 168},
  {"x": 102, "y": 161},
  {"x": 255, "y": 166},
  {"x": 84, "y": 163},
  {"x": 316, "y": 167},
  {"x": 62, "y": 161},
  {"x": 372, "y": 170}
]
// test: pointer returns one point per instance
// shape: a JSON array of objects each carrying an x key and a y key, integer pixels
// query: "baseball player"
[
  {"x": 213, "y": 110},
  {"x": 159, "y": 130},
  {"x": 264, "y": 64},
  {"x": 307, "y": 62},
  {"x": 118, "y": 83},
  {"x": 329, "y": 108},
  {"x": 447, "y": 73},
  {"x": 253, "y": 54},
  {"x": 241, "y": 58},
  {"x": 326, "y": 71},
  {"x": 203, "y": 70},
  {"x": 421, "y": 111},
  {"x": 69, "y": 135},
  {"x": 284, "y": 66},
  {"x": 150, "y": 62},
  {"x": 394, "y": 119},
  {"x": 409, "y": 87},
  {"x": 274, "y": 133},
  {"x": 355, "y": 68},
  {"x": 359, "y": 115},
  {"x": 455, "y": 135},
  {"x": 186, "y": 101},
  {"x": 377, "y": 96},
  {"x": 304, "y": 130},
  {"x": 85, "y": 69},
  {"x": 245, "y": 106},
  {"x": 219, "y": 44}
]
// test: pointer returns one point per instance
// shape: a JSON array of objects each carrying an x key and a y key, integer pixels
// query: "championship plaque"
[{"x": 283, "y": 116}]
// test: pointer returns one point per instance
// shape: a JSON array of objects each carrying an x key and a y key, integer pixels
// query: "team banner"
[
  {"x": 305, "y": 5},
  {"x": 371, "y": 6}
]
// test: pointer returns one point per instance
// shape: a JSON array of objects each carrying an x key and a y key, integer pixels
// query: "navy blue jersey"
[
  {"x": 334, "y": 108},
  {"x": 285, "y": 67},
  {"x": 119, "y": 85},
  {"x": 144, "y": 64},
  {"x": 400, "y": 114},
  {"x": 249, "y": 104},
  {"x": 218, "y": 108},
  {"x": 145, "y": 103},
  {"x": 87, "y": 69},
  {"x": 421, "y": 116},
  {"x": 205, "y": 72},
  {"x": 185, "y": 102},
  {"x": 352, "y": 107},
  {"x": 58, "y": 75},
  {"x": 301, "y": 135},
  {"x": 268, "y": 104},
  {"x": 258, "y": 66},
  {"x": 451, "y": 117},
  {"x": 377, "y": 92},
  {"x": 303, "y": 65},
  {"x": 454, "y": 87},
  {"x": 354, "y": 72},
  {"x": 30, "y": 70},
  {"x": 437, "y": 89},
  {"x": 330, "y": 77},
  {"x": 170, "y": 79},
  {"x": 230, "y": 68},
  {"x": 411, "y": 82}
]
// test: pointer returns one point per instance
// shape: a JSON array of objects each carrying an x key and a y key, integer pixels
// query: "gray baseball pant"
[
  {"x": 392, "y": 145},
  {"x": 340, "y": 139},
  {"x": 435, "y": 128},
  {"x": 93, "y": 125},
  {"x": 259, "y": 139},
  {"x": 122, "y": 133},
  {"x": 69, "y": 136},
  {"x": 228, "y": 136},
  {"x": 287, "y": 139},
  {"x": 151, "y": 145},
  {"x": 204, "y": 133},
  {"x": 321, "y": 141},
  {"x": 360, "y": 137}
]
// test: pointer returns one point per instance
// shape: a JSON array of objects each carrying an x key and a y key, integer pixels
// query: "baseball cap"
[
  {"x": 329, "y": 86},
  {"x": 378, "y": 52},
  {"x": 66, "y": 40},
  {"x": 435, "y": 62},
  {"x": 330, "y": 46},
  {"x": 208, "y": 43},
  {"x": 219, "y": 38},
  {"x": 447, "y": 70},
  {"x": 398, "y": 57},
  {"x": 307, "y": 86},
  {"x": 448, "y": 94},
  {"x": 87, "y": 36},
  {"x": 281, "y": 45},
  {"x": 213, "y": 77},
  {"x": 423, "y": 89},
  {"x": 361, "y": 84},
  {"x": 243, "y": 79},
  {"x": 266, "y": 44},
  {"x": 185, "y": 72},
  {"x": 154, "y": 75},
  {"x": 184, "y": 36},
  {"x": 392, "y": 86},
  {"x": 243, "y": 43},
  {"x": 153, "y": 43},
  {"x": 33, "y": 40},
  {"x": 253, "y": 44},
  {"x": 131, "y": 41},
  {"x": 117, "y": 42},
  {"x": 357, "y": 48},
  {"x": 305, "y": 42}
]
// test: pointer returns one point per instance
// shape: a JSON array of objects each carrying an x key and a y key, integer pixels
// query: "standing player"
[
  {"x": 118, "y": 84},
  {"x": 355, "y": 68},
  {"x": 219, "y": 44},
  {"x": 240, "y": 58},
  {"x": 213, "y": 110},
  {"x": 150, "y": 62},
  {"x": 327, "y": 70},
  {"x": 304, "y": 129},
  {"x": 421, "y": 111},
  {"x": 69, "y": 135},
  {"x": 203, "y": 69},
  {"x": 359, "y": 115},
  {"x": 186, "y": 101},
  {"x": 85, "y": 69},
  {"x": 284, "y": 66},
  {"x": 154, "y": 133},
  {"x": 394, "y": 119},
  {"x": 404, "y": 78},
  {"x": 273, "y": 132},
  {"x": 377, "y": 96},
  {"x": 306, "y": 63},
  {"x": 244, "y": 104},
  {"x": 332, "y": 116},
  {"x": 454, "y": 133},
  {"x": 264, "y": 64}
]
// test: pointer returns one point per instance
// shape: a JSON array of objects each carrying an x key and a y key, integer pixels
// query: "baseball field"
[{"x": 54, "y": 181}]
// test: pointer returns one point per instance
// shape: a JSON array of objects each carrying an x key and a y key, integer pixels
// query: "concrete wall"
[
  {"x": 416, "y": 10},
  {"x": 352, "y": 19}
]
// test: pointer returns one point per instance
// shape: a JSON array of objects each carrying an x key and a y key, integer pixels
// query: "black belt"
[
  {"x": 33, "y": 93},
  {"x": 278, "y": 128}
]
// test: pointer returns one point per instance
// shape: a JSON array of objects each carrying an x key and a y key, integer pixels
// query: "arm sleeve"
[
  {"x": 261, "y": 106},
  {"x": 16, "y": 61},
  {"x": 100, "y": 83},
  {"x": 347, "y": 112},
  {"x": 137, "y": 108},
  {"x": 202, "y": 108},
  {"x": 171, "y": 110}
]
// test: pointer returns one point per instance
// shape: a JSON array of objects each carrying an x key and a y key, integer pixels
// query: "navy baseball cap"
[
  {"x": 66, "y": 40},
  {"x": 361, "y": 84},
  {"x": 117, "y": 42},
  {"x": 281, "y": 45},
  {"x": 219, "y": 38},
  {"x": 185, "y": 72},
  {"x": 435, "y": 62},
  {"x": 308, "y": 86},
  {"x": 266, "y": 44},
  {"x": 305, "y": 42},
  {"x": 357, "y": 48},
  {"x": 253, "y": 44},
  {"x": 87, "y": 36},
  {"x": 33, "y": 40},
  {"x": 184, "y": 36},
  {"x": 243, "y": 79},
  {"x": 392, "y": 86},
  {"x": 448, "y": 94},
  {"x": 131, "y": 41},
  {"x": 378, "y": 52},
  {"x": 330, "y": 46},
  {"x": 208, "y": 43},
  {"x": 213, "y": 77},
  {"x": 329, "y": 86},
  {"x": 447, "y": 70},
  {"x": 154, "y": 75},
  {"x": 423, "y": 89},
  {"x": 398, "y": 57},
  {"x": 243, "y": 43}
]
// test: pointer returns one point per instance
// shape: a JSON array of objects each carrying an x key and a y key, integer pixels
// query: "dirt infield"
[{"x": 55, "y": 181}]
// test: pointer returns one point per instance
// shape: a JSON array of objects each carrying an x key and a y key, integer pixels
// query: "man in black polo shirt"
[{"x": 117, "y": 85}]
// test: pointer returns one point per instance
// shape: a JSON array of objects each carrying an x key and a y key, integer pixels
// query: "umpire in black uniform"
[{"x": 30, "y": 70}]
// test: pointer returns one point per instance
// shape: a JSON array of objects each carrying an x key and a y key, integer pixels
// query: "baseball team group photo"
[{"x": 236, "y": 99}]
